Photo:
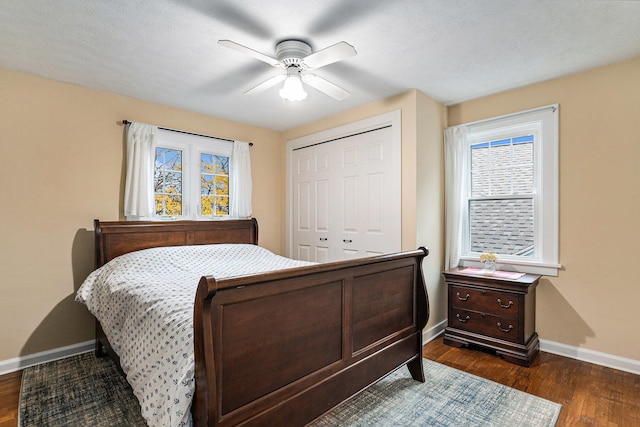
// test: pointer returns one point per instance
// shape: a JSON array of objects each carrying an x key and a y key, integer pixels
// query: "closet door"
[
  {"x": 346, "y": 198},
  {"x": 312, "y": 214},
  {"x": 368, "y": 196}
]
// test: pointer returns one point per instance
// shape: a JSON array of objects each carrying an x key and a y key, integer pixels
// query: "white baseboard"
[
  {"x": 591, "y": 356},
  {"x": 586, "y": 355},
  {"x": 21, "y": 362},
  {"x": 433, "y": 332}
]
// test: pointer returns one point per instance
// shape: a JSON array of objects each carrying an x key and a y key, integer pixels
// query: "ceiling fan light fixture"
[
  {"x": 292, "y": 89},
  {"x": 297, "y": 59}
]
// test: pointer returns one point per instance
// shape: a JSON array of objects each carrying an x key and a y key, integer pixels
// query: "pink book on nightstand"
[{"x": 498, "y": 273}]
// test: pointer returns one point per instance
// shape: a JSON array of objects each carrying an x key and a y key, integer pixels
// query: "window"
[
  {"x": 191, "y": 176},
  {"x": 509, "y": 191},
  {"x": 500, "y": 203},
  {"x": 214, "y": 184},
  {"x": 179, "y": 175},
  {"x": 167, "y": 182}
]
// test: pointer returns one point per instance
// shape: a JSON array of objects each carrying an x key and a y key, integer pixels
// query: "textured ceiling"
[{"x": 166, "y": 51}]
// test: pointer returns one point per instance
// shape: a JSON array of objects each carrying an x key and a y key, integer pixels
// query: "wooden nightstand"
[{"x": 492, "y": 312}]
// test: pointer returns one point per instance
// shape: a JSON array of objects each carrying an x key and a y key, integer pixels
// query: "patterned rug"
[
  {"x": 86, "y": 391},
  {"x": 448, "y": 397},
  {"x": 81, "y": 390}
]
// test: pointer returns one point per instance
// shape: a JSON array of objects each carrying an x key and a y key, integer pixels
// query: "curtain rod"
[
  {"x": 552, "y": 107},
  {"x": 126, "y": 122}
]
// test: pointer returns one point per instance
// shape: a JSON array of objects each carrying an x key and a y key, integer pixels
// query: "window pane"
[
  {"x": 500, "y": 153},
  {"x": 167, "y": 158},
  {"x": 206, "y": 163},
  {"x": 206, "y": 184},
  {"x": 480, "y": 170},
  {"x": 213, "y": 164},
  {"x": 222, "y": 185},
  {"x": 523, "y": 179},
  {"x": 522, "y": 151},
  {"x": 222, "y": 205},
  {"x": 502, "y": 226},
  {"x": 503, "y": 167},
  {"x": 214, "y": 184},
  {"x": 207, "y": 204},
  {"x": 479, "y": 184},
  {"x": 167, "y": 182},
  {"x": 173, "y": 205},
  {"x": 501, "y": 182},
  {"x": 159, "y": 203},
  {"x": 173, "y": 183},
  {"x": 479, "y": 156}
]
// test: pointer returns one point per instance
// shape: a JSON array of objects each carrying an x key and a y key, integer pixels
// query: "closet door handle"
[
  {"x": 322, "y": 239},
  {"x": 347, "y": 241}
]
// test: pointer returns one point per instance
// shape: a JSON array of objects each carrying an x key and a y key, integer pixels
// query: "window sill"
[
  {"x": 173, "y": 219},
  {"x": 544, "y": 269}
]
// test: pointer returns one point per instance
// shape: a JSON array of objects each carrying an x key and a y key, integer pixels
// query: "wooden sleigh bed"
[{"x": 284, "y": 347}]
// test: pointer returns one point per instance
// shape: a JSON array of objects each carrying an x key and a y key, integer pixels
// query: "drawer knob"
[
  {"x": 504, "y": 306},
  {"x": 505, "y": 330},
  {"x": 465, "y": 320},
  {"x": 462, "y": 299}
]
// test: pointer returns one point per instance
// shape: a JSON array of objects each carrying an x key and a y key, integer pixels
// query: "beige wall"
[
  {"x": 62, "y": 152},
  {"x": 432, "y": 117},
  {"x": 423, "y": 121},
  {"x": 62, "y": 166},
  {"x": 593, "y": 303}
]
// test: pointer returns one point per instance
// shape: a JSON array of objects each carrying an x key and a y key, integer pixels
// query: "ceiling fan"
[{"x": 294, "y": 57}]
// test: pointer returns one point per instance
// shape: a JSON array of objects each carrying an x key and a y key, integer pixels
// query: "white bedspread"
[{"x": 144, "y": 302}]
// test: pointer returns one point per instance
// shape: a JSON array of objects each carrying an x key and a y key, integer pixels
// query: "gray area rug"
[
  {"x": 81, "y": 390},
  {"x": 86, "y": 391},
  {"x": 448, "y": 397}
]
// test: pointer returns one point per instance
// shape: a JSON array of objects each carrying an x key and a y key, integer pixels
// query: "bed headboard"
[{"x": 116, "y": 238}]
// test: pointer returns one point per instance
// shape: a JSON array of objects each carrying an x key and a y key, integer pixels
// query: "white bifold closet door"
[{"x": 346, "y": 198}]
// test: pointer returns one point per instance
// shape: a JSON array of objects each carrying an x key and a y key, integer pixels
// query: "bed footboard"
[{"x": 284, "y": 347}]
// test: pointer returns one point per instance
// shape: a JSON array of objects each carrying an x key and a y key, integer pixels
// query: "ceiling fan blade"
[
  {"x": 248, "y": 51},
  {"x": 329, "y": 55},
  {"x": 265, "y": 85},
  {"x": 325, "y": 86}
]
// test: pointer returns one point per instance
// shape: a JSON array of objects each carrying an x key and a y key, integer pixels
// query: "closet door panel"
[
  {"x": 375, "y": 199},
  {"x": 350, "y": 219},
  {"x": 322, "y": 205}
]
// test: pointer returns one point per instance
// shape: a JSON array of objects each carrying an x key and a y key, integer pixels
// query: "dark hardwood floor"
[
  {"x": 591, "y": 395},
  {"x": 9, "y": 394}
]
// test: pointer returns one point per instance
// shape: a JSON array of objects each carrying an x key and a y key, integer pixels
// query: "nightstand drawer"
[
  {"x": 504, "y": 328},
  {"x": 502, "y": 304}
]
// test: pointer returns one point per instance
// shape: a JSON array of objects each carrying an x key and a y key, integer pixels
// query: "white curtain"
[
  {"x": 240, "y": 186},
  {"x": 138, "y": 190},
  {"x": 455, "y": 186}
]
